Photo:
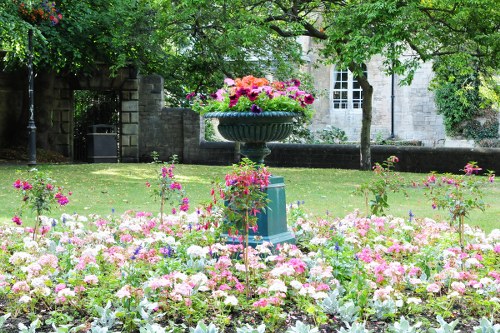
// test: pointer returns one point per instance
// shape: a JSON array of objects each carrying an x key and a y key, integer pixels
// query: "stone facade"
[{"x": 415, "y": 116}]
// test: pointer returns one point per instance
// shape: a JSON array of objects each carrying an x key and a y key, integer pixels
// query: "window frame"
[{"x": 346, "y": 92}]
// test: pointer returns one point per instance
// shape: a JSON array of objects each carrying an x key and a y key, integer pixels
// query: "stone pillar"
[
  {"x": 129, "y": 138},
  {"x": 152, "y": 117},
  {"x": 62, "y": 119}
]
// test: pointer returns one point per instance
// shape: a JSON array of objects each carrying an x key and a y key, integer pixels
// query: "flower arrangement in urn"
[{"x": 255, "y": 95}]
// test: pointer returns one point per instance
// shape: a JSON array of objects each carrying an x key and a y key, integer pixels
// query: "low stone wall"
[
  {"x": 178, "y": 131},
  {"x": 411, "y": 159}
]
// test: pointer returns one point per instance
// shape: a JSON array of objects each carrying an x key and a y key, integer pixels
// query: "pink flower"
[
  {"x": 126, "y": 238},
  {"x": 458, "y": 286},
  {"x": 61, "y": 199},
  {"x": 229, "y": 82},
  {"x": 433, "y": 288},
  {"x": 91, "y": 279},
  {"x": 175, "y": 186},
  {"x": 20, "y": 286},
  {"x": 224, "y": 287},
  {"x": 471, "y": 168},
  {"x": 17, "y": 220},
  {"x": 59, "y": 287},
  {"x": 308, "y": 99},
  {"x": 48, "y": 260},
  {"x": 261, "y": 303},
  {"x": 124, "y": 292},
  {"x": 298, "y": 265}
]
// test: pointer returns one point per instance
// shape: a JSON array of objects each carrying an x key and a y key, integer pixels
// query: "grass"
[{"x": 101, "y": 188}]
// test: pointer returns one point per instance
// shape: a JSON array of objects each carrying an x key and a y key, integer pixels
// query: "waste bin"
[{"x": 101, "y": 144}]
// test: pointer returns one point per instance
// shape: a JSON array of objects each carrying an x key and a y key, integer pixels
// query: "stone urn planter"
[{"x": 254, "y": 130}]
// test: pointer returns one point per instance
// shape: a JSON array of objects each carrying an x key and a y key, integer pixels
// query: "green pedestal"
[{"x": 272, "y": 226}]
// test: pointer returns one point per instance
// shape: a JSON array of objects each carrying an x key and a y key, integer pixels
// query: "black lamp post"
[{"x": 31, "y": 97}]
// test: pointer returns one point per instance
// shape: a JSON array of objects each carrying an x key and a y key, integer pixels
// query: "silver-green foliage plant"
[
  {"x": 3, "y": 319},
  {"x": 384, "y": 308},
  {"x": 202, "y": 328},
  {"x": 300, "y": 327},
  {"x": 67, "y": 328},
  {"x": 249, "y": 329},
  {"x": 445, "y": 327},
  {"x": 404, "y": 326},
  {"x": 31, "y": 329},
  {"x": 330, "y": 304},
  {"x": 151, "y": 328},
  {"x": 349, "y": 311},
  {"x": 106, "y": 320},
  {"x": 486, "y": 326},
  {"x": 355, "y": 328}
]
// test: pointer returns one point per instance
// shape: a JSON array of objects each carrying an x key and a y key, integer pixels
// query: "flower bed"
[{"x": 137, "y": 272}]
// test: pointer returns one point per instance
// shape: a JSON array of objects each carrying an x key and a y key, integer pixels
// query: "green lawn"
[{"x": 99, "y": 188}]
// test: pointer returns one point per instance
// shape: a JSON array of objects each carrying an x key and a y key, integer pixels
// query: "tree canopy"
[{"x": 194, "y": 44}]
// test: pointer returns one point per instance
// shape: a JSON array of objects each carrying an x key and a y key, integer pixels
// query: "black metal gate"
[{"x": 93, "y": 108}]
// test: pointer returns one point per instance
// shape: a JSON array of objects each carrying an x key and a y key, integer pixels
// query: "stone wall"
[
  {"x": 54, "y": 109},
  {"x": 13, "y": 110},
  {"x": 178, "y": 131}
]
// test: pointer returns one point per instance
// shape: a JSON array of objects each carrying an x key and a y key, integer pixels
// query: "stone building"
[{"x": 407, "y": 112}]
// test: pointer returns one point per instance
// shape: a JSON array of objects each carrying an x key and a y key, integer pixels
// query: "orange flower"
[{"x": 250, "y": 82}]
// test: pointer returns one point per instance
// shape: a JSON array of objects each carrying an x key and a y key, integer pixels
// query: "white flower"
[
  {"x": 39, "y": 282},
  {"x": 196, "y": 251},
  {"x": 219, "y": 293},
  {"x": 413, "y": 300},
  {"x": 472, "y": 261},
  {"x": 19, "y": 258},
  {"x": 240, "y": 267},
  {"x": 318, "y": 240},
  {"x": 66, "y": 292},
  {"x": 296, "y": 284},
  {"x": 283, "y": 270},
  {"x": 200, "y": 280},
  {"x": 24, "y": 299},
  {"x": 231, "y": 300},
  {"x": 170, "y": 240},
  {"x": 278, "y": 285},
  {"x": 319, "y": 295}
]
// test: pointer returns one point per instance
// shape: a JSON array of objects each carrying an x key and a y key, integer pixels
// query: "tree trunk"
[{"x": 365, "y": 152}]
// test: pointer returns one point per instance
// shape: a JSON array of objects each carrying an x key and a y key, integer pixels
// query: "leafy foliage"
[{"x": 388, "y": 180}]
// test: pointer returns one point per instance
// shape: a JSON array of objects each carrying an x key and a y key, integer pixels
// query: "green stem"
[
  {"x": 246, "y": 257},
  {"x": 162, "y": 205},
  {"x": 36, "y": 224}
]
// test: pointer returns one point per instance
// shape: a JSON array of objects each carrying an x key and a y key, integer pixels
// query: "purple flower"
[{"x": 256, "y": 109}]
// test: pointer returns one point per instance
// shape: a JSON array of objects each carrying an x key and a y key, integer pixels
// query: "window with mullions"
[{"x": 347, "y": 93}]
